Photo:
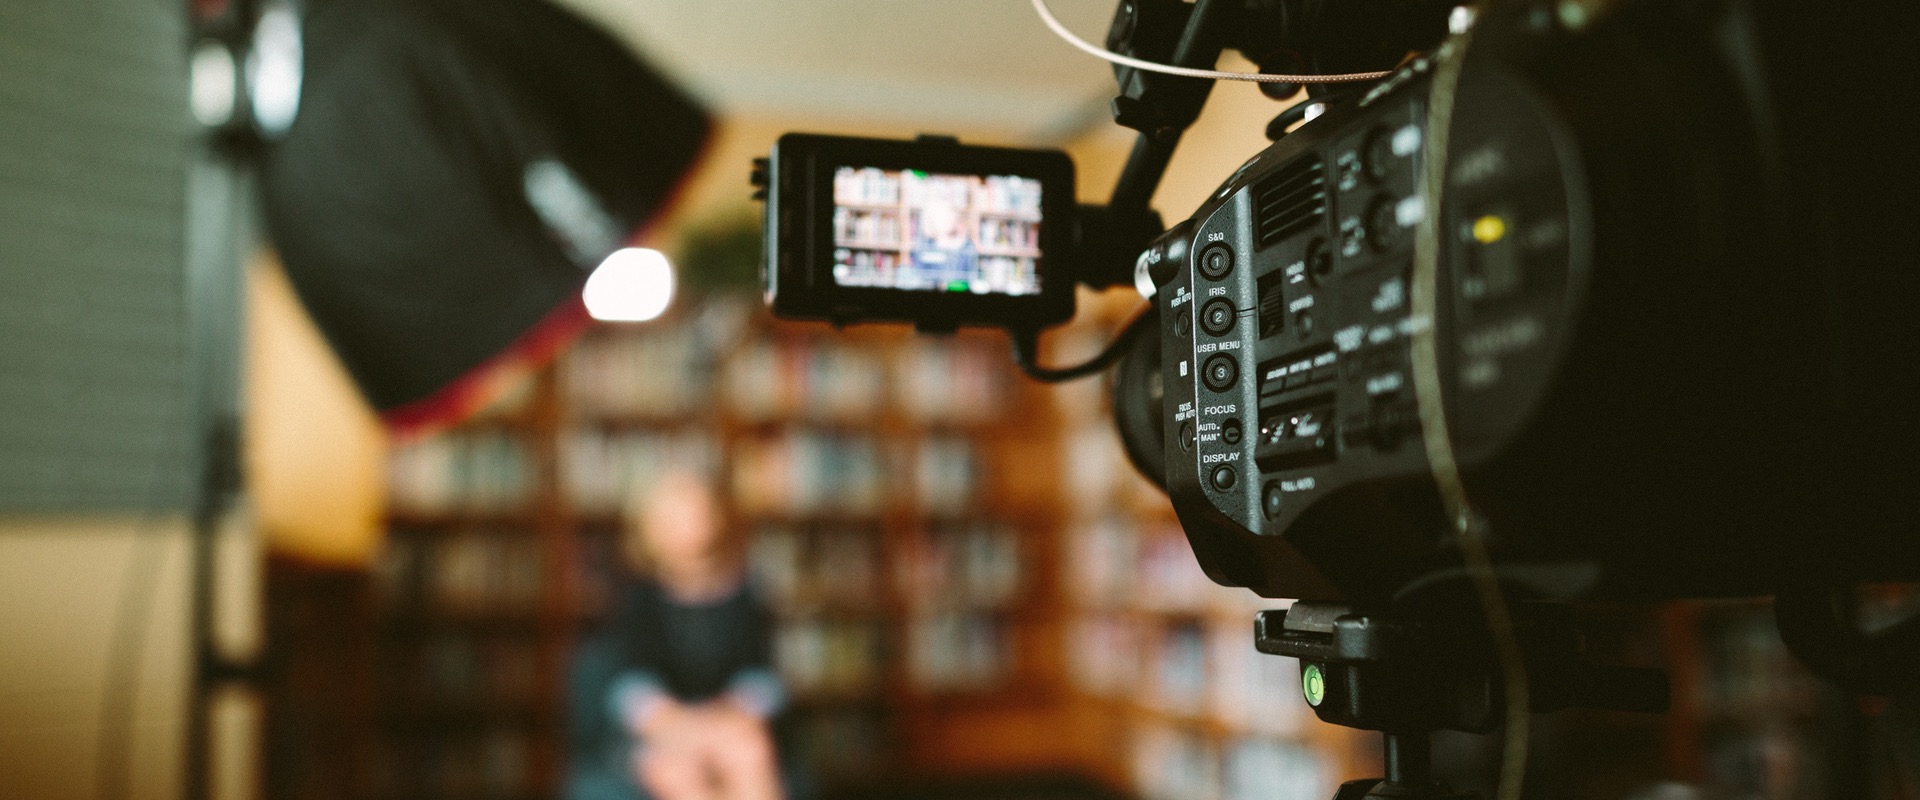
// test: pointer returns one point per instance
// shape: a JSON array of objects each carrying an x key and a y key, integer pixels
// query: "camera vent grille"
[{"x": 1290, "y": 200}]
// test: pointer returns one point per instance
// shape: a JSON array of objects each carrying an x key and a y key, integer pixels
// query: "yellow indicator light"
[{"x": 1489, "y": 229}]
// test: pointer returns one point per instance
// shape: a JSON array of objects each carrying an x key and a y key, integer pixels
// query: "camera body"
[
  {"x": 1634, "y": 323},
  {"x": 1671, "y": 320}
]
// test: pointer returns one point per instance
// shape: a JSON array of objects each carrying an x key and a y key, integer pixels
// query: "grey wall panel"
[{"x": 94, "y": 146}]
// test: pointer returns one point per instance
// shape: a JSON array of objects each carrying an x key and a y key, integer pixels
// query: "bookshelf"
[
  {"x": 865, "y": 469},
  {"x": 469, "y": 623},
  {"x": 882, "y": 482}
]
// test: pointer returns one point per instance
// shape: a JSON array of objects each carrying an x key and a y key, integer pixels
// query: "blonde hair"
[{"x": 668, "y": 489}]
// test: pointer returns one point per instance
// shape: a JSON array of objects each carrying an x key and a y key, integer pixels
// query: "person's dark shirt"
[
  {"x": 694, "y": 652},
  {"x": 657, "y": 647}
]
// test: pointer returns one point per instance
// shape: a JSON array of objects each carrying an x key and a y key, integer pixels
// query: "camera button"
[
  {"x": 1216, "y": 262},
  {"x": 1272, "y": 501},
  {"x": 1383, "y": 225},
  {"x": 1379, "y": 154},
  {"x": 1217, "y": 317},
  {"x": 1224, "y": 478},
  {"x": 1220, "y": 372}
]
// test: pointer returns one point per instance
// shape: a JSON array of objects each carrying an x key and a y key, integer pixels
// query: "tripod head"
[{"x": 1408, "y": 676}]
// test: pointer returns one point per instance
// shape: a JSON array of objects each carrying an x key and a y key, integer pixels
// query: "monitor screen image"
[{"x": 933, "y": 232}]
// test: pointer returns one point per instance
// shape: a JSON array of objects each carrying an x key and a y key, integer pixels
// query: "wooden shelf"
[
  {"x": 412, "y": 519},
  {"x": 479, "y": 622},
  {"x": 959, "y": 392}
]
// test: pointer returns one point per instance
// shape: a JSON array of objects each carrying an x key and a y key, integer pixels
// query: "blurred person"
[
  {"x": 675, "y": 699},
  {"x": 944, "y": 232}
]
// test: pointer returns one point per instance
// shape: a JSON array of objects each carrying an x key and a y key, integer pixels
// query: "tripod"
[{"x": 1408, "y": 676}]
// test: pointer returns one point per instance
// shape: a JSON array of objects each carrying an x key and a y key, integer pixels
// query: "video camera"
[{"x": 1616, "y": 292}]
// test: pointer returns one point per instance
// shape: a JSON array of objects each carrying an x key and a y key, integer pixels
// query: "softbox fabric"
[{"x": 456, "y": 167}]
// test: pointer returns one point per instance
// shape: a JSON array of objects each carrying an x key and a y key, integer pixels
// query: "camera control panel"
[{"x": 1287, "y": 311}]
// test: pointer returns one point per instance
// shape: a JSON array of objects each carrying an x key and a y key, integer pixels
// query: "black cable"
[{"x": 1026, "y": 348}]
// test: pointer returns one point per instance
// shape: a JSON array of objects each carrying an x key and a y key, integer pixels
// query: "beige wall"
[
  {"x": 315, "y": 452},
  {"x": 63, "y": 586}
]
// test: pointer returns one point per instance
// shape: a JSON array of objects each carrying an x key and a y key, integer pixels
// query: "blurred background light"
[
  {"x": 274, "y": 69},
  {"x": 213, "y": 84},
  {"x": 635, "y": 284}
]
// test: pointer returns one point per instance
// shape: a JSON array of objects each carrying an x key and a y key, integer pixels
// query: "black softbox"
[{"x": 455, "y": 169}]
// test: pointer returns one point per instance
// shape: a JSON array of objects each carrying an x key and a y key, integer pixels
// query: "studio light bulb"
[
  {"x": 274, "y": 69},
  {"x": 213, "y": 84},
  {"x": 635, "y": 284}
]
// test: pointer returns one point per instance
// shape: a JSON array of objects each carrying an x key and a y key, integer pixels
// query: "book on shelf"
[
  {"x": 874, "y": 227},
  {"x": 1104, "y": 557},
  {"x": 1008, "y": 233},
  {"x": 828, "y": 658},
  {"x": 1264, "y": 767},
  {"x": 474, "y": 472},
  {"x": 455, "y": 671},
  {"x": 1179, "y": 763},
  {"x": 654, "y": 373},
  {"x": 1170, "y": 578},
  {"x": 1104, "y": 652},
  {"x": 802, "y": 472},
  {"x": 844, "y": 743},
  {"x": 395, "y": 577},
  {"x": 999, "y": 194},
  {"x": 957, "y": 651},
  {"x": 808, "y": 378},
  {"x": 846, "y": 568},
  {"x": 463, "y": 571},
  {"x": 973, "y": 564},
  {"x": 1250, "y": 690},
  {"x": 601, "y": 472},
  {"x": 1174, "y": 763},
  {"x": 946, "y": 475},
  {"x": 866, "y": 186},
  {"x": 805, "y": 568},
  {"x": 1179, "y": 669},
  {"x": 777, "y": 556},
  {"x": 1097, "y": 466},
  {"x": 484, "y": 571},
  {"x": 952, "y": 381}
]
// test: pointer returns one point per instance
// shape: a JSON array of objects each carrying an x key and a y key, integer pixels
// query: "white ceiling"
[{"x": 923, "y": 63}]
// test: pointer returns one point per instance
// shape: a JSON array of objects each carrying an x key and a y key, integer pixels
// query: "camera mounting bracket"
[{"x": 1409, "y": 676}]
